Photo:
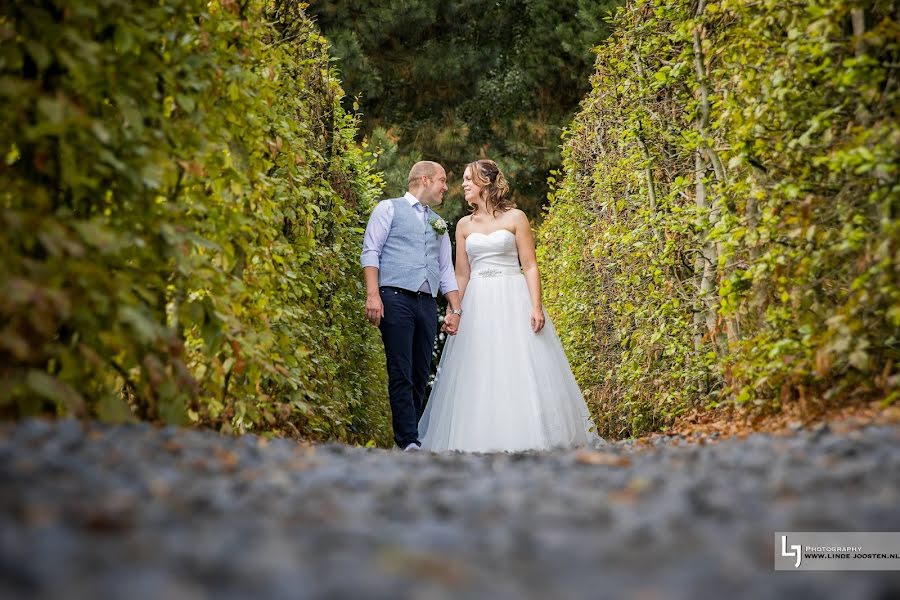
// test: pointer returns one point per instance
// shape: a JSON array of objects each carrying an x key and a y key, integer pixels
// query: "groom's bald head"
[{"x": 423, "y": 168}]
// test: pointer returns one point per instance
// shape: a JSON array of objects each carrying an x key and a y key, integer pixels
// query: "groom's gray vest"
[{"x": 410, "y": 252}]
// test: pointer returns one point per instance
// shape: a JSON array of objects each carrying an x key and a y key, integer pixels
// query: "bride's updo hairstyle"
[{"x": 494, "y": 189}]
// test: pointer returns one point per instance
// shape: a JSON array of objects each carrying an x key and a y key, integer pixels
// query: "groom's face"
[{"x": 435, "y": 187}]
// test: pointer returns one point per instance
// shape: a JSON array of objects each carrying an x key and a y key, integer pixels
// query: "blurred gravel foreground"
[{"x": 137, "y": 512}]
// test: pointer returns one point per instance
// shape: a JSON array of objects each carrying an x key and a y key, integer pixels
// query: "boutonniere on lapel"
[{"x": 439, "y": 225}]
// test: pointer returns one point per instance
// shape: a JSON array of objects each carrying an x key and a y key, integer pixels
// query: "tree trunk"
[
  {"x": 705, "y": 261},
  {"x": 651, "y": 185},
  {"x": 705, "y": 152},
  {"x": 858, "y": 20}
]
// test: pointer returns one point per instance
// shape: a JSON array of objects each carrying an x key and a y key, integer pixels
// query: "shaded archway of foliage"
[
  {"x": 182, "y": 205},
  {"x": 455, "y": 81},
  {"x": 725, "y": 227}
]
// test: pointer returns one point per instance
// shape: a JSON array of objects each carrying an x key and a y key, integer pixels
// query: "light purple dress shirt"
[{"x": 377, "y": 232}]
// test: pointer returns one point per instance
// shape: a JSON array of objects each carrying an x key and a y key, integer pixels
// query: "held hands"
[
  {"x": 537, "y": 319},
  {"x": 451, "y": 324},
  {"x": 374, "y": 310}
]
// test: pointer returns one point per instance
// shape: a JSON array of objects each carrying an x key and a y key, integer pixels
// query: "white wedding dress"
[{"x": 500, "y": 386}]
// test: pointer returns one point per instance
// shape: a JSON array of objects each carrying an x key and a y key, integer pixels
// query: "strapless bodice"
[{"x": 495, "y": 251}]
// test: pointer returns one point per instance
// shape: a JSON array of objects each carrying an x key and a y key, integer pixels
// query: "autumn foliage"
[
  {"x": 181, "y": 203},
  {"x": 725, "y": 228}
]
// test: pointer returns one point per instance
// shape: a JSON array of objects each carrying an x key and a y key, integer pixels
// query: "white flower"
[{"x": 439, "y": 225}]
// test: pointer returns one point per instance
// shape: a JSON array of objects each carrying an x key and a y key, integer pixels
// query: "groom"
[{"x": 405, "y": 258}]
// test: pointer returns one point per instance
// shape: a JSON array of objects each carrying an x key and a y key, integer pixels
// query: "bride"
[{"x": 503, "y": 383}]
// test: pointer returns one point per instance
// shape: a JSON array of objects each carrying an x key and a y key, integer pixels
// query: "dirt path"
[{"x": 138, "y": 512}]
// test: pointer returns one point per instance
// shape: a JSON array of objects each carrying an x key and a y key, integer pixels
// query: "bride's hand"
[
  {"x": 451, "y": 324},
  {"x": 537, "y": 319}
]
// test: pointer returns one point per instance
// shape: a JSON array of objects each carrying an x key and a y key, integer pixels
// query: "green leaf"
[
  {"x": 186, "y": 102},
  {"x": 52, "y": 109},
  {"x": 41, "y": 55},
  {"x": 51, "y": 388}
]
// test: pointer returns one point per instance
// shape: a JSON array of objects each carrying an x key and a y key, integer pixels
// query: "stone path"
[{"x": 138, "y": 512}]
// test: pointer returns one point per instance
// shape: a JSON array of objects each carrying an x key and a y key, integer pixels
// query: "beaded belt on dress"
[{"x": 496, "y": 272}]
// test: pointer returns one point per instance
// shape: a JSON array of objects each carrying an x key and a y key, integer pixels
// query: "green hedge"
[
  {"x": 725, "y": 228},
  {"x": 182, "y": 206}
]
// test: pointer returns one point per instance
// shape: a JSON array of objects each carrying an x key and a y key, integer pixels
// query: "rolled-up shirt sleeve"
[
  {"x": 376, "y": 233},
  {"x": 445, "y": 262}
]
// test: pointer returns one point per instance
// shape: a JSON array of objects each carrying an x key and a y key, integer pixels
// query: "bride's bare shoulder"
[{"x": 517, "y": 217}]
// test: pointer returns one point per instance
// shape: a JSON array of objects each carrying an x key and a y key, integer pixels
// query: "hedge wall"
[
  {"x": 725, "y": 229},
  {"x": 182, "y": 205}
]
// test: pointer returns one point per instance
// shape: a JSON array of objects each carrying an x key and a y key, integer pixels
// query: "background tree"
[{"x": 454, "y": 81}]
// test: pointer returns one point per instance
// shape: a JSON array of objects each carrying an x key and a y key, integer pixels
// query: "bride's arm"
[
  {"x": 525, "y": 247},
  {"x": 463, "y": 269}
]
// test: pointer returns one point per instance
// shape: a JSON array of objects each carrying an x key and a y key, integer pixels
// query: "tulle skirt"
[{"x": 500, "y": 386}]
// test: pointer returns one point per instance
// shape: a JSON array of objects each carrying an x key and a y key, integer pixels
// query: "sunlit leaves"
[
  {"x": 807, "y": 235},
  {"x": 156, "y": 252}
]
